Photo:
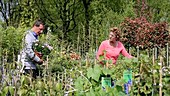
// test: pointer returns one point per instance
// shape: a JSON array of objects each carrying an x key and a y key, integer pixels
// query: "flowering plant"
[{"x": 41, "y": 50}]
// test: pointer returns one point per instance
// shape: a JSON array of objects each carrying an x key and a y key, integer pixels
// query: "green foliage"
[
  {"x": 28, "y": 13},
  {"x": 103, "y": 20},
  {"x": 96, "y": 72},
  {"x": 61, "y": 61},
  {"x": 160, "y": 10},
  {"x": 1, "y": 32},
  {"x": 81, "y": 77},
  {"x": 86, "y": 80},
  {"x": 102, "y": 15},
  {"x": 7, "y": 90},
  {"x": 11, "y": 41}
]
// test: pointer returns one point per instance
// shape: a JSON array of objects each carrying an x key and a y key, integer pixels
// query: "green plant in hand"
[{"x": 41, "y": 49}]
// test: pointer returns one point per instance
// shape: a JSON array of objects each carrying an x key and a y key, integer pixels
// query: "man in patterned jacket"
[{"x": 28, "y": 57}]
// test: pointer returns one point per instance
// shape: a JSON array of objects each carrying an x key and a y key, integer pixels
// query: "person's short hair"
[
  {"x": 116, "y": 31},
  {"x": 38, "y": 22}
]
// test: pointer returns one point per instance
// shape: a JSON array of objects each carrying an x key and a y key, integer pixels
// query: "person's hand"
[
  {"x": 40, "y": 55},
  {"x": 40, "y": 61},
  {"x": 48, "y": 46},
  {"x": 101, "y": 62}
]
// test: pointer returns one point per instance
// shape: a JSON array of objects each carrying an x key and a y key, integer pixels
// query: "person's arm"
[
  {"x": 125, "y": 53},
  {"x": 100, "y": 51},
  {"x": 29, "y": 51}
]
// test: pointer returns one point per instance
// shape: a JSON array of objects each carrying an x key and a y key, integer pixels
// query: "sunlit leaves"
[
  {"x": 107, "y": 71},
  {"x": 11, "y": 41},
  {"x": 79, "y": 83},
  {"x": 28, "y": 13},
  {"x": 94, "y": 72},
  {"x": 8, "y": 90},
  {"x": 91, "y": 93}
]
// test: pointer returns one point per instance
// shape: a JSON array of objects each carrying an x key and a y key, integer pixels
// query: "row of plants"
[{"x": 64, "y": 75}]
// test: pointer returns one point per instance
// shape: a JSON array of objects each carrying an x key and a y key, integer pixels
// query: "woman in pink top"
[{"x": 113, "y": 47}]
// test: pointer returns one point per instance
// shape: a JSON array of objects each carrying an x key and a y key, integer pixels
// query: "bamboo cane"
[
  {"x": 154, "y": 80},
  {"x": 46, "y": 67},
  {"x": 58, "y": 78},
  {"x": 95, "y": 61},
  {"x": 65, "y": 79},
  {"x": 156, "y": 53},
  {"x": 160, "y": 76},
  {"x": 87, "y": 60},
  {"x": 140, "y": 69},
  {"x": 167, "y": 54},
  {"x": 96, "y": 44},
  {"x": 1, "y": 47},
  {"x": 107, "y": 64},
  {"x": 140, "y": 72},
  {"x": 78, "y": 40},
  {"x": 137, "y": 52}
]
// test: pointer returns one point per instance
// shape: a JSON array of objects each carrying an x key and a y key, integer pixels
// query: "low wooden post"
[
  {"x": 137, "y": 52},
  {"x": 156, "y": 52}
]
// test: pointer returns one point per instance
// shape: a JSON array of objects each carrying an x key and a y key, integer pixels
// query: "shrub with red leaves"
[{"x": 140, "y": 32}]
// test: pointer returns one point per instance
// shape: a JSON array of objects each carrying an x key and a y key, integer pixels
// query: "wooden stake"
[
  {"x": 160, "y": 76},
  {"x": 107, "y": 64},
  {"x": 154, "y": 80},
  {"x": 87, "y": 60},
  {"x": 137, "y": 52},
  {"x": 153, "y": 61},
  {"x": 167, "y": 54}
]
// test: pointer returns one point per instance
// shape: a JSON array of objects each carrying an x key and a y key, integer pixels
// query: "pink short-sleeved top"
[{"x": 112, "y": 52}]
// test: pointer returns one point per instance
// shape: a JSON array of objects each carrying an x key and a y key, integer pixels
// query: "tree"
[
  {"x": 28, "y": 12},
  {"x": 160, "y": 10},
  {"x": 86, "y": 4},
  {"x": 7, "y": 9},
  {"x": 61, "y": 14},
  {"x": 18, "y": 12}
]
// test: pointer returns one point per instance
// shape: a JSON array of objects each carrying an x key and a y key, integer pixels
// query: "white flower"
[{"x": 36, "y": 44}]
